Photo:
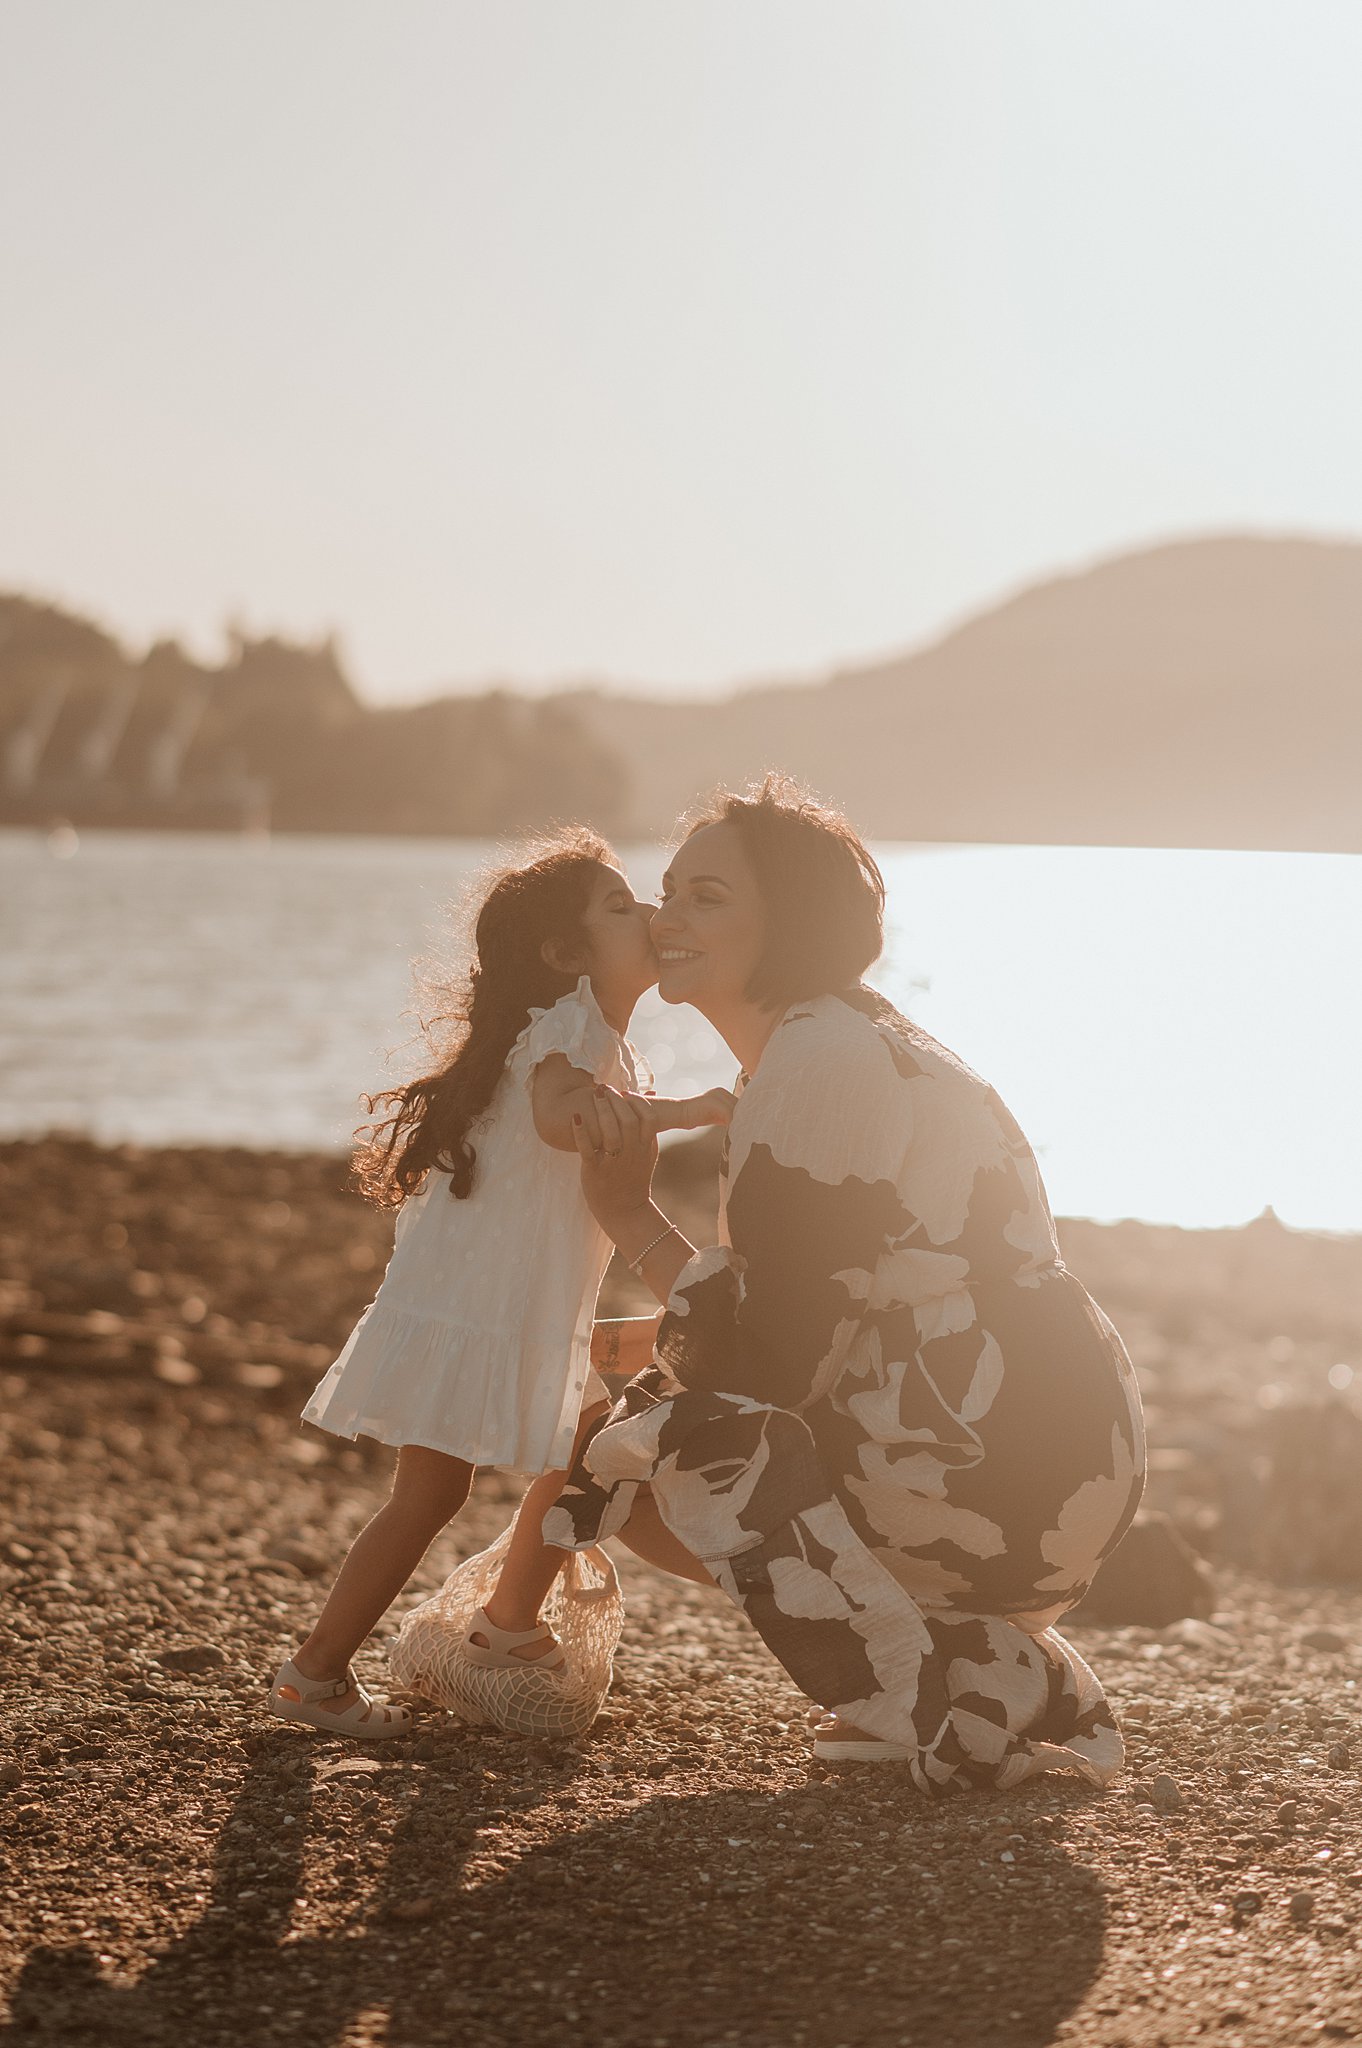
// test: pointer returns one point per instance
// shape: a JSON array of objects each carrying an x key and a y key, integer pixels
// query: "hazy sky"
[{"x": 671, "y": 341}]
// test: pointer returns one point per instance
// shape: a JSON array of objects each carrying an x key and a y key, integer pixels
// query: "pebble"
[
  {"x": 1340, "y": 1756},
  {"x": 1332, "y": 1809},
  {"x": 192, "y": 1657},
  {"x": 411, "y": 1909},
  {"x": 1247, "y": 1902},
  {"x": 1286, "y": 1813},
  {"x": 1300, "y": 1906},
  {"x": 1324, "y": 1639},
  {"x": 1166, "y": 1794},
  {"x": 10, "y": 1774},
  {"x": 301, "y": 1556}
]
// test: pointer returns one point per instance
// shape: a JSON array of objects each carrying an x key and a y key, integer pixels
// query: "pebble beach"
[{"x": 179, "y": 1867}]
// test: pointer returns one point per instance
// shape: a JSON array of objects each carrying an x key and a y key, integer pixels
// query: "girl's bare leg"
[
  {"x": 531, "y": 1564},
  {"x": 429, "y": 1488}
]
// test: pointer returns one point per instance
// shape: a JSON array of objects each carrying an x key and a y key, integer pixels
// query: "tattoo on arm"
[{"x": 610, "y": 1353}]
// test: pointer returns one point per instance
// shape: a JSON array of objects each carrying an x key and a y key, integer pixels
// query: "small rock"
[
  {"x": 1340, "y": 1756},
  {"x": 411, "y": 1909},
  {"x": 1286, "y": 1813},
  {"x": 350, "y": 1767},
  {"x": 1152, "y": 1578},
  {"x": 1138, "y": 1710},
  {"x": 301, "y": 1556},
  {"x": 1300, "y": 1906},
  {"x": 1332, "y": 1809},
  {"x": 1324, "y": 1639},
  {"x": 1166, "y": 1794},
  {"x": 1247, "y": 1902},
  {"x": 192, "y": 1658},
  {"x": 10, "y": 1774},
  {"x": 425, "y": 1749}
]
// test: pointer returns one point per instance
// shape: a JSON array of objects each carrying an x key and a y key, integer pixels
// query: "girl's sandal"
[
  {"x": 498, "y": 1652},
  {"x": 296, "y": 1698}
]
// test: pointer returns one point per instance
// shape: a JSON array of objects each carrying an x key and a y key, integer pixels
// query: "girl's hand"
[
  {"x": 715, "y": 1106},
  {"x": 617, "y": 1172},
  {"x": 685, "y": 1112}
]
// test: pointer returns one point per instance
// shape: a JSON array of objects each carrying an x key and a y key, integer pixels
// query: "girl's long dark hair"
[{"x": 541, "y": 897}]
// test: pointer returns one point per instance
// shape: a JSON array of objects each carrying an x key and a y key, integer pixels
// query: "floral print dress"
[{"x": 895, "y": 1427}]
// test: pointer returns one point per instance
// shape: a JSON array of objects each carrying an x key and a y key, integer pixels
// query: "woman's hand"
[{"x": 617, "y": 1160}]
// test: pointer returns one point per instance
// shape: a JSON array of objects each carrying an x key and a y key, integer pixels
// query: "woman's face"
[
  {"x": 710, "y": 924},
  {"x": 620, "y": 956}
]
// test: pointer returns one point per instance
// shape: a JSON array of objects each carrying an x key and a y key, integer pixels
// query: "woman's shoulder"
[{"x": 851, "y": 1029}]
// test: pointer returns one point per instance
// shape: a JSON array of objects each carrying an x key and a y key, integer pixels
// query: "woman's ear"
[{"x": 560, "y": 957}]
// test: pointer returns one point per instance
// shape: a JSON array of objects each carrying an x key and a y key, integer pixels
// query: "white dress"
[{"x": 477, "y": 1343}]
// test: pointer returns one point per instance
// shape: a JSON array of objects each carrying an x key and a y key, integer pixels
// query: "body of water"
[{"x": 1177, "y": 1033}]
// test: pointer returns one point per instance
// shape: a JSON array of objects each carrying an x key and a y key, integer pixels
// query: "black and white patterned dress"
[{"x": 898, "y": 1431}]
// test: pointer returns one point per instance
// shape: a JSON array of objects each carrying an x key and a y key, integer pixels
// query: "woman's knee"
[{"x": 430, "y": 1485}]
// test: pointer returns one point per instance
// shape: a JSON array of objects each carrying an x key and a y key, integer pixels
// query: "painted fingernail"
[{"x": 575, "y": 1118}]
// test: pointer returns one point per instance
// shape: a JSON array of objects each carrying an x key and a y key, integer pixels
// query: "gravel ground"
[{"x": 177, "y": 1867}]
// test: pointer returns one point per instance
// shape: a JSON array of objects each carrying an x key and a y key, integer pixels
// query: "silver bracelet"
[{"x": 636, "y": 1265}]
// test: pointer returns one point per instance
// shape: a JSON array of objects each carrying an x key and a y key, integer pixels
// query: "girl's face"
[
  {"x": 710, "y": 924},
  {"x": 619, "y": 949}
]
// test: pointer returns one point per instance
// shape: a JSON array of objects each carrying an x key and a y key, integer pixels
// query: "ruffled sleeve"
[{"x": 576, "y": 1028}]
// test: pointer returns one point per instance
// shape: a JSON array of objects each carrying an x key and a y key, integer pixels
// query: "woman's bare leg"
[{"x": 428, "y": 1490}]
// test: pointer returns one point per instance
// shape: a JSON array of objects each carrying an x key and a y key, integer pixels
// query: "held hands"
[
  {"x": 687, "y": 1112},
  {"x": 617, "y": 1145}
]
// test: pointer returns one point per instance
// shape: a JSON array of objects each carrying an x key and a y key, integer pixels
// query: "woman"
[{"x": 883, "y": 1416}]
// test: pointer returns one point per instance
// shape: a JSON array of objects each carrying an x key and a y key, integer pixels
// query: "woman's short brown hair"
[{"x": 819, "y": 882}]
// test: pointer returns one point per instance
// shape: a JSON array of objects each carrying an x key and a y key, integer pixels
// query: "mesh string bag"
[{"x": 585, "y": 1610}]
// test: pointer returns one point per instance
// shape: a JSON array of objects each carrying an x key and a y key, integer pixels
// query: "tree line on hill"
[{"x": 276, "y": 737}]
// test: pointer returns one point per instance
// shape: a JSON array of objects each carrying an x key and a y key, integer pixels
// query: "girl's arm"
[
  {"x": 561, "y": 1092},
  {"x": 685, "y": 1112}
]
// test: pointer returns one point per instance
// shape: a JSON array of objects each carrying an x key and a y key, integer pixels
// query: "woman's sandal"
[
  {"x": 498, "y": 1652},
  {"x": 296, "y": 1698}
]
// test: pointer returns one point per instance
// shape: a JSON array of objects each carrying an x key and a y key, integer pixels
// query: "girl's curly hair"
[{"x": 542, "y": 896}]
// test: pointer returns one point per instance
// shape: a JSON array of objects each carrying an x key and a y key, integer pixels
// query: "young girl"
[{"x": 476, "y": 1349}]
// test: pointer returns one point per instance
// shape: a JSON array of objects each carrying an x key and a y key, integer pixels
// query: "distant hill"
[
  {"x": 1207, "y": 693},
  {"x": 276, "y": 736}
]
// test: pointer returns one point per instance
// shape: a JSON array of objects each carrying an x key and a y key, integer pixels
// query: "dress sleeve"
[
  {"x": 576, "y": 1028},
  {"x": 817, "y": 1146}
]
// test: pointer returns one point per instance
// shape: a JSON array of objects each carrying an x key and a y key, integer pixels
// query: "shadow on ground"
[{"x": 830, "y": 1913}]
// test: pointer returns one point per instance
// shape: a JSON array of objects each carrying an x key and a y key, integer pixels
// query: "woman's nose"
[{"x": 660, "y": 922}]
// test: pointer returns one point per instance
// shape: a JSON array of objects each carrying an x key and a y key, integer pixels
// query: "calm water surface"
[{"x": 1178, "y": 1033}]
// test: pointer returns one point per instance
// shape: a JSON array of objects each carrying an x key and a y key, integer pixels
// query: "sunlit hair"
[
  {"x": 821, "y": 889},
  {"x": 543, "y": 896}
]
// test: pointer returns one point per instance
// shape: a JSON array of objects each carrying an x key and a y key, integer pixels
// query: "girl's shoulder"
[{"x": 576, "y": 1027}]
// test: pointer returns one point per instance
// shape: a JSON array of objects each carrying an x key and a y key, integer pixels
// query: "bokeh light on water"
[{"x": 1176, "y": 1032}]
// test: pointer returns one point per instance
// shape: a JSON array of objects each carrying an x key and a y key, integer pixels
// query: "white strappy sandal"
[
  {"x": 295, "y": 1697},
  {"x": 500, "y": 1651}
]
